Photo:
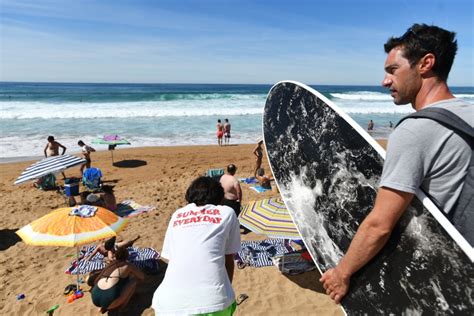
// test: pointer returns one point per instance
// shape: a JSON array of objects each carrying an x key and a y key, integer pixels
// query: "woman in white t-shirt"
[{"x": 200, "y": 243}]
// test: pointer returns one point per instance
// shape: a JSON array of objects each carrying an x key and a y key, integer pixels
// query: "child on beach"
[{"x": 86, "y": 151}]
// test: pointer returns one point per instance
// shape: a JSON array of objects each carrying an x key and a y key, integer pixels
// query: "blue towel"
[
  {"x": 250, "y": 180},
  {"x": 259, "y": 189}
]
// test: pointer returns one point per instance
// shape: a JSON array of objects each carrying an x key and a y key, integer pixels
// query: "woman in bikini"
[{"x": 116, "y": 284}]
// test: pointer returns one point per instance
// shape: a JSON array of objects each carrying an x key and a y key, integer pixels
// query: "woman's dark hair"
[
  {"x": 422, "y": 39},
  {"x": 110, "y": 243},
  {"x": 108, "y": 189},
  {"x": 205, "y": 190},
  {"x": 121, "y": 254}
]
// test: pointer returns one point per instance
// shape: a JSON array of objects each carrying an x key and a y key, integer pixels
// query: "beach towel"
[
  {"x": 146, "y": 259},
  {"x": 294, "y": 263},
  {"x": 259, "y": 253},
  {"x": 259, "y": 188},
  {"x": 251, "y": 180},
  {"x": 130, "y": 208}
]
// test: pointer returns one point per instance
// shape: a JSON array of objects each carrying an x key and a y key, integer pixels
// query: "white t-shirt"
[{"x": 196, "y": 242}]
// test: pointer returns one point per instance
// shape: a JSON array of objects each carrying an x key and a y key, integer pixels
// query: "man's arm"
[
  {"x": 63, "y": 147},
  {"x": 45, "y": 149},
  {"x": 238, "y": 189},
  {"x": 229, "y": 266},
  {"x": 371, "y": 236}
]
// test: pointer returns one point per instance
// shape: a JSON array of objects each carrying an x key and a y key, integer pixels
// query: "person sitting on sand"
[
  {"x": 200, "y": 243},
  {"x": 115, "y": 285},
  {"x": 108, "y": 198},
  {"x": 263, "y": 179},
  {"x": 109, "y": 247}
]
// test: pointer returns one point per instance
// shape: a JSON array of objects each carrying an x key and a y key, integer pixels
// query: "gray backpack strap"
[
  {"x": 446, "y": 118},
  {"x": 462, "y": 213}
]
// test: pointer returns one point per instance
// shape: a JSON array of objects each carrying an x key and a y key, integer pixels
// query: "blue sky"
[{"x": 201, "y": 41}]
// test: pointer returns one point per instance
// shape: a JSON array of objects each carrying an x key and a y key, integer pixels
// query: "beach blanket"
[
  {"x": 259, "y": 188},
  {"x": 294, "y": 263},
  {"x": 251, "y": 180},
  {"x": 259, "y": 253},
  {"x": 130, "y": 208},
  {"x": 146, "y": 259}
]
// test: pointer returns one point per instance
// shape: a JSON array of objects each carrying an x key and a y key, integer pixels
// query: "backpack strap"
[{"x": 446, "y": 118}]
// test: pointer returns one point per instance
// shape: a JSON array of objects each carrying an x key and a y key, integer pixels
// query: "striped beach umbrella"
[
  {"x": 49, "y": 165},
  {"x": 269, "y": 217},
  {"x": 72, "y": 227}
]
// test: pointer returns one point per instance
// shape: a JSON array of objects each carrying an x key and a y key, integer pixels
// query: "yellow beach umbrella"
[
  {"x": 72, "y": 227},
  {"x": 269, "y": 217}
]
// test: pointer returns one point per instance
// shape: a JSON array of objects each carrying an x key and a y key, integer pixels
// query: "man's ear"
[{"x": 426, "y": 63}]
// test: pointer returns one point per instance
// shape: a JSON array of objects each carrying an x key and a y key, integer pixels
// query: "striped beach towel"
[
  {"x": 146, "y": 259},
  {"x": 259, "y": 253},
  {"x": 130, "y": 208}
]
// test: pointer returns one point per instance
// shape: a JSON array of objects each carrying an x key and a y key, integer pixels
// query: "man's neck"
[{"x": 431, "y": 91}]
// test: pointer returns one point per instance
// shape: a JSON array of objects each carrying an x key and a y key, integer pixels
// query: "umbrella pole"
[
  {"x": 112, "y": 153},
  {"x": 77, "y": 260}
]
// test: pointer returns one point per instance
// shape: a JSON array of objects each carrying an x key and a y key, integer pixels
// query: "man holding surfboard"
[{"x": 421, "y": 152}]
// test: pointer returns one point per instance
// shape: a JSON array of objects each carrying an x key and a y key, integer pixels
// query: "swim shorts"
[{"x": 220, "y": 134}]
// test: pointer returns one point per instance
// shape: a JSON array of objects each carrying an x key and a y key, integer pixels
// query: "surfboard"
[{"x": 327, "y": 169}]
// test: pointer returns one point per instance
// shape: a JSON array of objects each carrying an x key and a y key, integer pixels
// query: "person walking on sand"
[
  {"x": 200, "y": 244},
  {"x": 258, "y": 152},
  {"x": 86, "y": 151},
  {"x": 226, "y": 132},
  {"x": 220, "y": 132},
  {"x": 421, "y": 152},
  {"x": 52, "y": 149},
  {"x": 232, "y": 189}
]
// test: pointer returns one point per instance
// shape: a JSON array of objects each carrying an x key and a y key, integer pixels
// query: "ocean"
[{"x": 161, "y": 114}]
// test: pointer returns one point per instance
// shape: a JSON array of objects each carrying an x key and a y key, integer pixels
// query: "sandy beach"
[{"x": 156, "y": 176}]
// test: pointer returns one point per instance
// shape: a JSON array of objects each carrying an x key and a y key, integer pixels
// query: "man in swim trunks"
[
  {"x": 52, "y": 148},
  {"x": 258, "y": 152},
  {"x": 220, "y": 132},
  {"x": 232, "y": 189},
  {"x": 86, "y": 151},
  {"x": 226, "y": 132}
]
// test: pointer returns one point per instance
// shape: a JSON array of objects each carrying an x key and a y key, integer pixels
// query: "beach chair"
[
  {"x": 215, "y": 173},
  {"x": 92, "y": 179}
]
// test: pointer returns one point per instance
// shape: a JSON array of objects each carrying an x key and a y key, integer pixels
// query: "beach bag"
[
  {"x": 462, "y": 213},
  {"x": 47, "y": 182}
]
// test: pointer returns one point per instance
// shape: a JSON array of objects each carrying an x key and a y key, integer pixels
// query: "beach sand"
[{"x": 156, "y": 176}]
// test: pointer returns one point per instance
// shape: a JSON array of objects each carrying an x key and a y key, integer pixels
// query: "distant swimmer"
[
  {"x": 226, "y": 132},
  {"x": 370, "y": 126},
  {"x": 390, "y": 124},
  {"x": 220, "y": 132}
]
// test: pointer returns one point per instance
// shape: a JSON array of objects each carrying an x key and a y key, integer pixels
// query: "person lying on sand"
[
  {"x": 116, "y": 283},
  {"x": 263, "y": 179}
]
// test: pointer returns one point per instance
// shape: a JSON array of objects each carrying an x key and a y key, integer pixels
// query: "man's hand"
[{"x": 335, "y": 284}]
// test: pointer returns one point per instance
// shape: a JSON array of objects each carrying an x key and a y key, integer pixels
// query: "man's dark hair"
[
  {"x": 110, "y": 243},
  {"x": 80, "y": 143},
  {"x": 231, "y": 169},
  {"x": 205, "y": 190},
  {"x": 50, "y": 138},
  {"x": 121, "y": 254},
  {"x": 421, "y": 39}
]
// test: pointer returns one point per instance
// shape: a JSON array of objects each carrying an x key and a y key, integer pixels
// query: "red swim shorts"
[{"x": 220, "y": 134}]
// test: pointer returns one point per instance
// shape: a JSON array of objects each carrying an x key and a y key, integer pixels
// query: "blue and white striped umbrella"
[{"x": 49, "y": 165}]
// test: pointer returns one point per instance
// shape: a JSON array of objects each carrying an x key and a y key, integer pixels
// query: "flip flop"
[
  {"x": 242, "y": 297},
  {"x": 52, "y": 309}
]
